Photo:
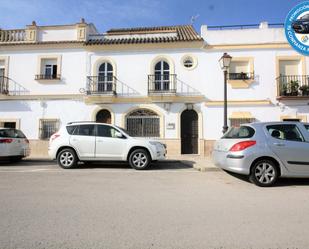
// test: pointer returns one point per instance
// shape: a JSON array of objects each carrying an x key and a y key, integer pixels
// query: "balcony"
[
  {"x": 4, "y": 85},
  {"x": 47, "y": 77},
  {"x": 162, "y": 84},
  {"x": 15, "y": 35},
  {"x": 293, "y": 87},
  {"x": 101, "y": 85},
  {"x": 241, "y": 76}
]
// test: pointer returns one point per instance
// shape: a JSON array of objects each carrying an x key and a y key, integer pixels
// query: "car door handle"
[{"x": 279, "y": 144}]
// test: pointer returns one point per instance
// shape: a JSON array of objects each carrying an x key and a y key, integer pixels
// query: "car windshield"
[{"x": 239, "y": 132}]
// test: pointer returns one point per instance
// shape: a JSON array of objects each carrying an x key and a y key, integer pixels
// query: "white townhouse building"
[{"x": 160, "y": 82}]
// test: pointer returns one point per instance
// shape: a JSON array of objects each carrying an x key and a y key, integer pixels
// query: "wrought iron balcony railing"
[
  {"x": 241, "y": 76},
  {"x": 4, "y": 85},
  {"x": 293, "y": 85},
  {"x": 47, "y": 77},
  {"x": 162, "y": 83},
  {"x": 101, "y": 85},
  {"x": 16, "y": 35}
]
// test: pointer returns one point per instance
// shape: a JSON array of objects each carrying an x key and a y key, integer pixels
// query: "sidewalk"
[{"x": 197, "y": 162}]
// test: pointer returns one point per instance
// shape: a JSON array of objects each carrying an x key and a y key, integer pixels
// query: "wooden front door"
[
  {"x": 104, "y": 116},
  {"x": 189, "y": 132}
]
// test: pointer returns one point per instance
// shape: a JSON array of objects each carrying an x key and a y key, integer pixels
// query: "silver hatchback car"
[{"x": 265, "y": 151}]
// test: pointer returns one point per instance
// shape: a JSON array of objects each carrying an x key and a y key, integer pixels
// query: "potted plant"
[
  {"x": 305, "y": 90},
  {"x": 284, "y": 90},
  {"x": 293, "y": 87}
]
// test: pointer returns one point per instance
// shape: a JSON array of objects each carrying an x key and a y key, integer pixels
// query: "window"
[
  {"x": 162, "y": 76},
  {"x": 3, "y": 80},
  {"x": 237, "y": 122},
  {"x": 143, "y": 123},
  {"x": 9, "y": 123},
  {"x": 48, "y": 127},
  {"x": 84, "y": 130},
  {"x": 307, "y": 127},
  {"x": 292, "y": 119},
  {"x": 189, "y": 62},
  {"x": 285, "y": 132},
  {"x": 49, "y": 68},
  {"x": 50, "y": 71},
  {"x": 106, "y": 131},
  {"x": 105, "y": 77},
  {"x": 240, "y": 132},
  {"x": 239, "y": 70}
]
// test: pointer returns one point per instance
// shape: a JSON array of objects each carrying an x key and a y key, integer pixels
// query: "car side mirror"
[{"x": 118, "y": 135}]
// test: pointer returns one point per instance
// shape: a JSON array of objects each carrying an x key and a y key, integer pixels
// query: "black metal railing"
[
  {"x": 4, "y": 85},
  {"x": 162, "y": 83},
  {"x": 101, "y": 85},
  {"x": 47, "y": 77},
  {"x": 241, "y": 76},
  {"x": 293, "y": 85}
]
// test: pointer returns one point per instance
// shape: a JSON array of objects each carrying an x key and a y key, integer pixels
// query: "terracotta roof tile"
[{"x": 184, "y": 33}]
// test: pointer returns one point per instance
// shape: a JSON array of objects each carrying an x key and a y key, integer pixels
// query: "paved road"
[{"x": 170, "y": 206}]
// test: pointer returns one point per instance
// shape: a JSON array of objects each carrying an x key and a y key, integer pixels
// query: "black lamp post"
[{"x": 225, "y": 61}]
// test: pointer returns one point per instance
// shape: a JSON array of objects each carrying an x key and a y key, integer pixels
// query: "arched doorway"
[
  {"x": 104, "y": 116},
  {"x": 189, "y": 132}
]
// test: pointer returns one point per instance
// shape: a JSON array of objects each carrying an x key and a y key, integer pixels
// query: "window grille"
[
  {"x": 236, "y": 122},
  {"x": 48, "y": 127},
  {"x": 143, "y": 123}
]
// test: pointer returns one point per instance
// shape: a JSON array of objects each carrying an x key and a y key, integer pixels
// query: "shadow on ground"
[
  {"x": 282, "y": 182},
  {"x": 160, "y": 165}
]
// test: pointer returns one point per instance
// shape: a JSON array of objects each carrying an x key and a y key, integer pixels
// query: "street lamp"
[{"x": 224, "y": 62}]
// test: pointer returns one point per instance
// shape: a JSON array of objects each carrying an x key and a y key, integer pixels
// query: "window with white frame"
[
  {"x": 48, "y": 127},
  {"x": 49, "y": 68},
  {"x": 240, "y": 70},
  {"x": 3, "y": 84},
  {"x": 162, "y": 76},
  {"x": 189, "y": 62}
]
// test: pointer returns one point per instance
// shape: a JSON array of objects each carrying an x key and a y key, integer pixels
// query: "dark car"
[{"x": 301, "y": 25}]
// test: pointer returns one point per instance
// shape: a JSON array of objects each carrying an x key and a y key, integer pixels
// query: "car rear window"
[
  {"x": 12, "y": 133},
  {"x": 239, "y": 132}
]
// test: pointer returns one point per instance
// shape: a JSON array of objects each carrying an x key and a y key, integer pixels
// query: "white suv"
[{"x": 90, "y": 141}]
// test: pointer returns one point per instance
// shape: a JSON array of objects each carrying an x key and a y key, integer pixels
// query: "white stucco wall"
[
  {"x": 56, "y": 34},
  {"x": 23, "y": 66}
]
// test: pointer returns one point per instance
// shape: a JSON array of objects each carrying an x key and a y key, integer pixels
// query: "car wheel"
[
  {"x": 67, "y": 159},
  {"x": 264, "y": 173},
  {"x": 139, "y": 159}
]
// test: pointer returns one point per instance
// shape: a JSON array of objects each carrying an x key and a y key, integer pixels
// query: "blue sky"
[{"x": 106, "y": 14}]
